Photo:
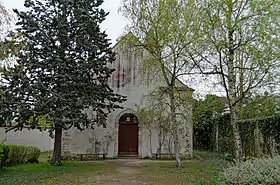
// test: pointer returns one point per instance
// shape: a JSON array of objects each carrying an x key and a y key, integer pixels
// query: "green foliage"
[
  {"x": 260, "y": 112},
  {"x": 204, "y": 154},
  {"x": 239, "y": 43},
  {"x": 63, "y": 69},
  {"x": 260, "y": 106},
  {"x": 207, "y": 109},
  {"x": 226, "y": 141},
  {"x": 16, "y": 154},
  {"x": 156, "y": 110},
  {"x": 269, "y": 128},
  {"x": 254, "y": 45},
  {"x": 147, "y": 115},
  {"x": 3, "y": 154},
  {"x": 153, "y": 114},
  {"x": 263, "y": 171},
  {"x": 205, "y": 115}
]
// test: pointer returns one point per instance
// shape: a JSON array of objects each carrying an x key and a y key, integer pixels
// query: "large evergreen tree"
[{"x": 63, "y": 71}]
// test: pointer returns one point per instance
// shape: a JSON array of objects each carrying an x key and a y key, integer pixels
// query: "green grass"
[
  {"x": 40, "y": 173},
  {"x": 213, "y": 156},
  {"x": 45, "y": 156},
  {"x": 191, "y": 172},
  {"x": 104, "y": 172}
]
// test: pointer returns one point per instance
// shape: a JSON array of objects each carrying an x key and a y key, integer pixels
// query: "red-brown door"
[{"x": 128, "y": 138}]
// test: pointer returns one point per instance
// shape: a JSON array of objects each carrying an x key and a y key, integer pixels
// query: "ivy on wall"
[
  {"x": 269, "y": 134},
  {"x": 260, "y": 136}
]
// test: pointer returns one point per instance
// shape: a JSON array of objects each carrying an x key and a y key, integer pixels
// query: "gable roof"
[{"x": 122, "y": 38}]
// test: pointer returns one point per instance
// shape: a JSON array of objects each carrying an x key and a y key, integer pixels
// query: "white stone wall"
[
  {"x": 28, "y": 138},
  {"x": 128, "y": 80},
  {"x": 85, "y": 141}
]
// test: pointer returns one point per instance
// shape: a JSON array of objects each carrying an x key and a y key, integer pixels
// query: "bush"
[
  {"x": 4, "y": 154},
  {"x": 262, "y": 171},
  {"x": 17, "y": 154}
]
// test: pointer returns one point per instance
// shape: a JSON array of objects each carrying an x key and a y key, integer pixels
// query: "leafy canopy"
[{"x": 64, "y": 68}]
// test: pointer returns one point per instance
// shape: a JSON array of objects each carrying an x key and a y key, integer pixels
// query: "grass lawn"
[{"x": 109, "y": 172}]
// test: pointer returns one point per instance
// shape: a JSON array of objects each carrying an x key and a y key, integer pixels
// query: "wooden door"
[{"x": 128, "y": 138}]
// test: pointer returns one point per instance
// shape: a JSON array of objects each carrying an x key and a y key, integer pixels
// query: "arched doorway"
[{"x": 128, "y": 135}]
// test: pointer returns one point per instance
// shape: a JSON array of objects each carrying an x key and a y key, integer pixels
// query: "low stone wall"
[{"x": 28, "y": 137}]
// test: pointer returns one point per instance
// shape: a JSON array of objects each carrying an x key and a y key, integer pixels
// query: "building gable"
[{"x": 128, "y": 66}]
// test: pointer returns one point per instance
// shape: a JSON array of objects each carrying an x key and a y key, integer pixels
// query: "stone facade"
[{"x": 128, "y": 80}]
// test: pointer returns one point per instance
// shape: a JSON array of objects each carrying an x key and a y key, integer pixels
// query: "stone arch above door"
[{"x": 127, "y": 111}]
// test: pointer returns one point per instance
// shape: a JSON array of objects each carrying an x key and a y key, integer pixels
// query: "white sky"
[{"x": 113, "y": 25}]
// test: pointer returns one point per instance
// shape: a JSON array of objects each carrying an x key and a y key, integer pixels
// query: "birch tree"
[
  {"x": 154, "y": 114},
  {"x": 5, "y": 21},
  {"x": 164, "y": 29},
  {"x": 5, "y": 18},
  {"x": 240, "y": 44}
]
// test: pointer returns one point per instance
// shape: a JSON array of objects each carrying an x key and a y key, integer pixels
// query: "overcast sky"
[{"x": 113, "y": 25}]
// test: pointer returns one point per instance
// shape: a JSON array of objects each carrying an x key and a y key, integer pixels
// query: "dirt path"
[{"x": 123, "y": 172}]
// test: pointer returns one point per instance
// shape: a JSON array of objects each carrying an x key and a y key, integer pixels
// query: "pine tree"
[{"x": 63, "y": 71}]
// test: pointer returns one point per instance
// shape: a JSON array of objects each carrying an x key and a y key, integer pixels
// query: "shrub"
[
  {"x": 17, "y": 154},
  {"x": 4, "y": 154},
  {"x": 262, "y": 171}
]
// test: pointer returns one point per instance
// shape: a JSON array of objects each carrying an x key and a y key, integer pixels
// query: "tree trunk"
[
  {"x": 170, "y": 145},
  {"x": 236, "y": 134},
  {"x": 257, "y": 136},
  {"x": 175, "y": 128},
  {"x": 56, "y": 158},
  {"x": 232, "y": 92},
  {"x": 177, "y": 149},
  {"x": 159, "y": 141},
  {"x": 151, "y": 149},
  {"x": 217, "y": 137}
]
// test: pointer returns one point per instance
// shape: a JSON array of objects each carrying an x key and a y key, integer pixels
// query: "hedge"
[
  {"x": 266, "y": 142},
  {"x": 268, "y": 137},
  {"x": 17, "y": 154}
]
